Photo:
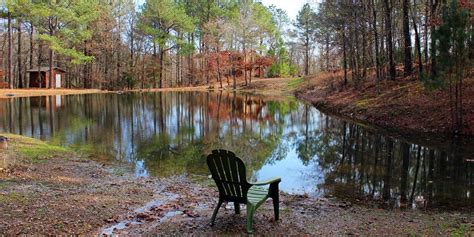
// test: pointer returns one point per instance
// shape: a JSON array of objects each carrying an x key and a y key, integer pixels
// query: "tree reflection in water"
[{"x": 165, "y": 134}]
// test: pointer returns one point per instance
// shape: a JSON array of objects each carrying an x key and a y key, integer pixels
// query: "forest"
[
  {"x": 160, "y": 43},
  {"x": 170, "y": 43}
]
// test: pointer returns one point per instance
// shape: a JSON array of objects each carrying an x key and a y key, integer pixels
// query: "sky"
[{"x": 290, "y": 6}]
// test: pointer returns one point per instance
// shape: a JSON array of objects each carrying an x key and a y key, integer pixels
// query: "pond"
[{"x": 169, "y": 133}]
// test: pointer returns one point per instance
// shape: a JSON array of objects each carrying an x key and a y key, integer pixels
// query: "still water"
[{"x": 165, "y": 134}]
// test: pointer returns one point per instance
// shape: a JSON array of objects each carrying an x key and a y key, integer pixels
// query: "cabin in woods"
[{"x": 40, "y": 77}]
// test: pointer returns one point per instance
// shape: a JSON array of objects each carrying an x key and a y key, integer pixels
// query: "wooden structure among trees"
[{"x": 42, "y": 79}]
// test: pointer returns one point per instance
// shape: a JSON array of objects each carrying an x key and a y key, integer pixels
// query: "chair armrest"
[{"x": 267, "y": 182}]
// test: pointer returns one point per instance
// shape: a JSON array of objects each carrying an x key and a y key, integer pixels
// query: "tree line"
[
  {"x": 161, "y": 43},
  {"x": 432, "y": 40}
]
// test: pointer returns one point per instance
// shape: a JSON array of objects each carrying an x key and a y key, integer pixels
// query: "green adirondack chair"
[{"x": 228, "y": 171}]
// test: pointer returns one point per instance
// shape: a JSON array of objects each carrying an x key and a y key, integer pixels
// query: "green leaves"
[
  {"x": 64, "y": 25},
  {"x": 160, "y": 17},
  {"x": 306, "y": 22}
]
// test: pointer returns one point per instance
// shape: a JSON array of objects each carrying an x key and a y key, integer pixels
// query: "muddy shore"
[{"x": 54, "y": 190}]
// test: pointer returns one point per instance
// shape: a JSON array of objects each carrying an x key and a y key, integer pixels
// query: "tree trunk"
[
  {"x": 51, "y": 63},
  {"x": 32, "y": 31},
  {"x": 40, "y": 53},
  {"x": 84, "y": 69},
  {"x": 376, "y": 35},
  {"x": 154, "y": 67},
  {"x": 160, "y": 72},
  {"x": 344, "y": 54},
  {"x": 434, "y": 4},
  {"x": 10, "y": 53},
  {"x": 407, "y": 37},
  {"x": 20, "y": 67},
  {"x": 51, "y": 67},
  {"x": 425, "y": 31},
  {"x": 306, "y": 57},
  {"x": 417, "y": 41},
  {"x": 327, "y": 52},
  {"x": 388, "y": 23}
]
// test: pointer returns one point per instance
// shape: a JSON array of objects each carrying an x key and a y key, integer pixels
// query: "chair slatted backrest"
[{"x": 228, "y": 171}]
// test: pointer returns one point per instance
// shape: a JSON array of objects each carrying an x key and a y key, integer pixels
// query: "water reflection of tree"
[
  {"x": 165, "y": 131},
  {"x": 168, "y": 133},
  {"x": 361, "y": 164}
]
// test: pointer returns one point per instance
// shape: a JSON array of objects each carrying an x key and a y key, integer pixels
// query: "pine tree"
[
  {"x": 453, "y": 57},
  {"x": 305, "y": 23}
]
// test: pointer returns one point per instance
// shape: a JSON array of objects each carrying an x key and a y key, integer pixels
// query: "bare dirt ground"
[
  {"x": 267, "y": 85},
  {"x": 49, "y": 190},
  {"x": 46, "y": 189},
  {"x": 189, "y": 212},
  {"x": 8, "y": 93},
  {"x": 403, "y": 104}
]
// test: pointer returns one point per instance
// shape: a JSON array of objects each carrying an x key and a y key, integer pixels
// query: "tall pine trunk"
[
  {"x": 407, "y": 37},
  {"x": 10, "y": 53},
  {"x": 434, "y": 5},
  {"x": 32, "y": 31},
  {"x": 388, "y": 22},
  {"x": 306, "y": 56},
  {"x": 377, "y": 52},
  {"x": 344, "y": 49},
  {"x": 20, "y": 66},
  {"x": 417, "y": 40},
  {"x": 160, "y": 72},
  {"x": 51, "y": 63}
]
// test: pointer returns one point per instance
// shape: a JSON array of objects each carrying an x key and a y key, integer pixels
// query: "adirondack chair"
[{"x": 228, "y": 171}]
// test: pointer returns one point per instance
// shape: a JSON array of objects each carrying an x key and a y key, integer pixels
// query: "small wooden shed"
[{"x": 41, "y": 79}]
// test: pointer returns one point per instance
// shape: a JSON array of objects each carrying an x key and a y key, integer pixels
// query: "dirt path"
[{"x": 8, "y": 93}]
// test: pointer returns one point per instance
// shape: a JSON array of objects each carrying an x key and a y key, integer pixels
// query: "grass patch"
[
  {"x": 295, "y": 82},
  {"x": 34, "y": 149},
  {"x": 14, "y": 197},
  {"x": 462, "y": 230},
  {"x": 362, "y": 103}
]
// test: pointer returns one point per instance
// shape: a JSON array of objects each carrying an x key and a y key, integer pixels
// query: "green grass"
[
  {"x": 295, "y": 82},
  {"x": 14, "y": 197},
  {"x": 34, "y": 149},
  {"x": 462, "y": 230},
  {"x": 362, "y": 103}
]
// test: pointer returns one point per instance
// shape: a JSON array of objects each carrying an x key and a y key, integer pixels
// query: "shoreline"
[
  {"x": 53, "y": 190},
  {"x": 259, "y": 85},
  {"x": 401, "y": 107}
]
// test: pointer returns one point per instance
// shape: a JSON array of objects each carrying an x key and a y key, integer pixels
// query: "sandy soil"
[
  {"x": 56, "y": 191},
  {"x": 8, "y": 93}
]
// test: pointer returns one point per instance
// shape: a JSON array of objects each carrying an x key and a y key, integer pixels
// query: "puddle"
[{"x": 134, "y": 217}]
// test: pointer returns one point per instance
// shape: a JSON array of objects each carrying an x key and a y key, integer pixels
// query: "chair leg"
[
  {"x": 215, "y": 211},
  {"x": 250, "y": 213},
  {"x": 276, "y": 206},
  {"x": 275, "y": 195},
  {"x": 237, "y": 208}
]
